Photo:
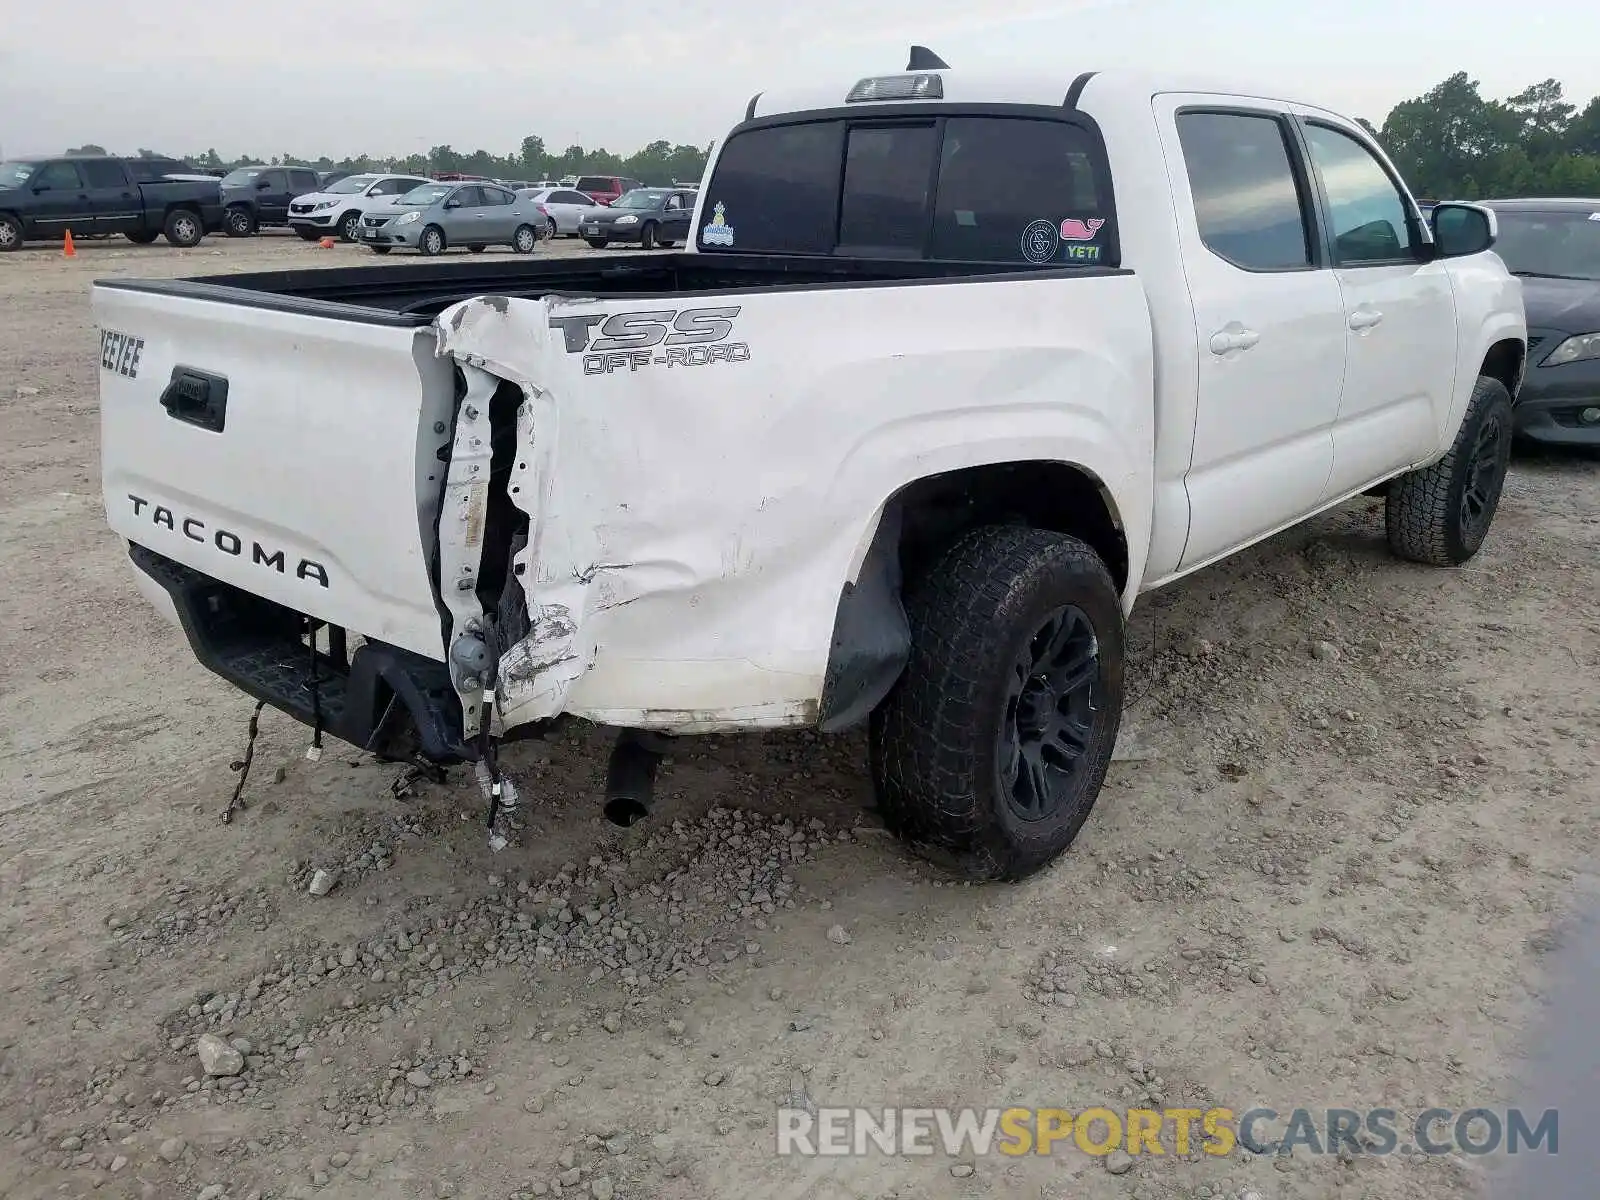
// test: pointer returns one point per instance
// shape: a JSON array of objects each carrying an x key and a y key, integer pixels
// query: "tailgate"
[{"x": 290, "y": 455}]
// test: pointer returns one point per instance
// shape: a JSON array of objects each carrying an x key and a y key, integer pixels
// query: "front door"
[
  {"x": 1268, "y": 321},
  {"x": 60, "y": 200},
  {"x": 675, "y": 220},
  {"x": 463, "y": 216},
  {"x": 1399, "y": 313}
]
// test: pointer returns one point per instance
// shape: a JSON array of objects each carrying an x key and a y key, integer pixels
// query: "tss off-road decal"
[{"x": 663, "y": 337}]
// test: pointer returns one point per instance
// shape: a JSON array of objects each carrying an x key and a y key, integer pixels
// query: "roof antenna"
[{"x": 923, "y": 59}]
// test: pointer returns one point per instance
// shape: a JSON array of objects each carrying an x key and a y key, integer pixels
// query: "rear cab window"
[{"x": 1017, "y": 189}]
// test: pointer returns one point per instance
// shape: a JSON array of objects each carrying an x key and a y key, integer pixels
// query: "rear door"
[
  {"x": 501, "y": 213},
  {"x": 116, "y": 204},
  {"x": 1399, "y": 312},
  {"x": 1269, "y": 320}
]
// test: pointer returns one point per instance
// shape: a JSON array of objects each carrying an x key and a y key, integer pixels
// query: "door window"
[
  {"x": 58, "y": 177},
  {"x": 1248, "y": 200},
  {"x": 1366, "y": 210},
  {"x": 571, "y": 198},
  {"x": 468, "y": 197},
  {"x": 302, "y": 182},
  {"x": 104, "y": 173},
  {"x": 498, "y": 197},
  {"x": 276, "y": 181}
]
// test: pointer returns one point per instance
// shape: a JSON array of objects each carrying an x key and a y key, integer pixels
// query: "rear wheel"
[
  {"x": 647, "y": 236},
  {"x": 550, "y": 229},
  {"x": 596, "y": 243},
  {"x": 143, "y": 238},
  {"x": 1440, "y": 515},
  {"x": 239, "y": 221},
  {"x": 432, "y": 241},
  {"x": 183, "y": 228},
  {"x": 991, "y": 750},
  {"x": 525, "y": 240},
  {"x": 350, "y": 226}
]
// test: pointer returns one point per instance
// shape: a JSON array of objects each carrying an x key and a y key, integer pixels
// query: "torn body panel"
[{"x": 703, "y": 474}]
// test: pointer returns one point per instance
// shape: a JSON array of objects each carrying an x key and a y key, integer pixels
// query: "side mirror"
[
  {"x": 452, "y": 204},
  {"x": 1462, "y": 229}
]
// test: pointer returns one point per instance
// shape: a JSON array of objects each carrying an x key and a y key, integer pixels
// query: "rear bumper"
[
  {"x": 1553, "y": 401},
  {"x": 259, "y": 647}
]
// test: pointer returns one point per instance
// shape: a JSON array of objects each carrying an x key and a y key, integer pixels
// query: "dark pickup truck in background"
[
  {"x": 254, "y": 197},
  {"x": 42, "y": 198}
]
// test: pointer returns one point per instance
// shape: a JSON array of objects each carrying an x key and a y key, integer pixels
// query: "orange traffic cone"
[
  {"x": 326, "y": 243},
  {"x": 67, "y": 249}
]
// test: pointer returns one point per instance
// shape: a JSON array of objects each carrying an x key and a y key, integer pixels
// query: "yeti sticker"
[{"x": 718, "y": 232}]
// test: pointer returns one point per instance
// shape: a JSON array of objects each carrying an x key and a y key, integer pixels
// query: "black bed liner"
[{"x": 414, "y": 294}]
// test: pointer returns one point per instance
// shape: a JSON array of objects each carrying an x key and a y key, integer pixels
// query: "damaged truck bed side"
[{"x": 899, "y": 440}]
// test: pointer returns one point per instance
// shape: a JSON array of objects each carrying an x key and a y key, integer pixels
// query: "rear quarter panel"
[{"x": 697, "y": 504}]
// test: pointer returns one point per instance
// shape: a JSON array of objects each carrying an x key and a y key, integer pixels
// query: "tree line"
[
  {"x": 660, "y": 163},
  {"x": 1449, "y": 143}
]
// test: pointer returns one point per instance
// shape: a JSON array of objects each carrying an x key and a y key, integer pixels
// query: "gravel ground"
[{"x": 1352, "y": 810}]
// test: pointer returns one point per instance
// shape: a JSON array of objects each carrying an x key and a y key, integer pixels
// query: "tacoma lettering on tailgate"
[
  {"x": 665, "y": 337},
  {"x": 227, "y": 541}
]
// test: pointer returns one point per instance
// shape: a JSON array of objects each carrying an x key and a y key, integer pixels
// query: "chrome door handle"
[
  {"x": 1225, "y": 340},
  {"x": 1364, "y": 318}
]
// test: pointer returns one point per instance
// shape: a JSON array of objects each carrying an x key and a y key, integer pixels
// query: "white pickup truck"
[{"x": 957, "y": 367}]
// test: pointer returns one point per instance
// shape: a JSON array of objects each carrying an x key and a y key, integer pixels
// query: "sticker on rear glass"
[
  {"x": 718, "y": 232},
  {"x": 1040, "y": 241},
  {"x": 1076, "y": 229}
]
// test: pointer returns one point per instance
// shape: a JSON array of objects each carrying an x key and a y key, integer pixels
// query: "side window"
[
  {"x": 499, "y": 196},
  {"x": 301, "y": 182},
  {"x": 1365, "y": 208},
  {"x": 58, "y": 177},
  {"x": 571, "y": 198},
  {"x": 1247, "y": 200},
  {"x": 104, "y": 173},
  {"x": 888, "y": 174},
  {"x": 674, "y": 202},
  {"x": 776, "y": 189},
  {"x": 468, "y": 197},
  {"x": 1020, "y": 190},
  {"x": 276, "y": 181}
]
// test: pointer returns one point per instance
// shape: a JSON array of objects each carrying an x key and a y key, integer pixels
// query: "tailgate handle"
[{"x": 197, "y": 398}]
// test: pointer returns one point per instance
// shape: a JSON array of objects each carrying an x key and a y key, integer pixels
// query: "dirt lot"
[{"x": 1353, "y": 806}]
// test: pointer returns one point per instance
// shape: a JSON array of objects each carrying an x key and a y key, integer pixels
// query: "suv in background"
[
  {"x": 256, "y": 196},
  {"x": 339, "y": 207},
  {"x": 606, "y": 188}
]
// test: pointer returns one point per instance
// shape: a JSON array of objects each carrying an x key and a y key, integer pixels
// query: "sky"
[{"x": 395, "y": 77}]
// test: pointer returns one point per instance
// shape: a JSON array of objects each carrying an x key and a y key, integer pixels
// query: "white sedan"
[{"x": 563, "y": 208}]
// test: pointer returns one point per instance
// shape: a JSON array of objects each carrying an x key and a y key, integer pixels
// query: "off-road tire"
[
  {"x": 1424, "y": 512},
  {"x": 937, "y": 741},
  {"x": 239, "y": 221},
  {"x": 183, "y": 228}
]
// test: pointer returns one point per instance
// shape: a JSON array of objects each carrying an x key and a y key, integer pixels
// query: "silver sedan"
[{"x": 436, "y": 216}]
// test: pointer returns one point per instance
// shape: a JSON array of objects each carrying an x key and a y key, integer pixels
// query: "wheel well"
[
  {"x": 1505, "y": 362},
  {"x": 871, "y": 637},
  {"x": 1057, "y": 496}
]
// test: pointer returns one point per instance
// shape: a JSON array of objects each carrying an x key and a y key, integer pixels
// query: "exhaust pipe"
[{"x": 631, "y": 776}]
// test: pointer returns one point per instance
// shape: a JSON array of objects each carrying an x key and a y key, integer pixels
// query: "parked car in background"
[
  {"x": 606, "y": 188},
  {"x": 563, "y": 209},
  {"x": 1554, "y": 247},
  {"x": 43, "y": 198},
  {"x": 253, "y": 197},
  {"x": 432, "y": 218},
  {"x": 339, "y": 207},
  {"x": 326, "y": 178},
  {"x": 649, "y": 216}
]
